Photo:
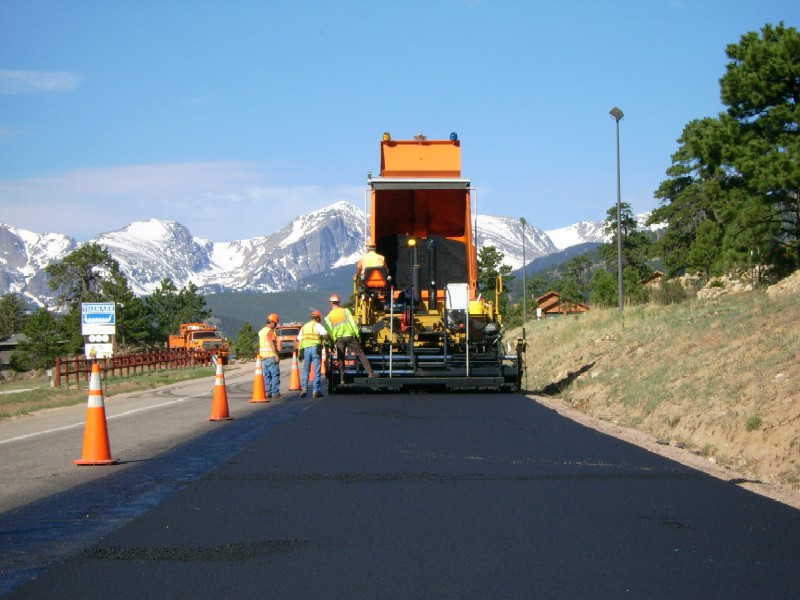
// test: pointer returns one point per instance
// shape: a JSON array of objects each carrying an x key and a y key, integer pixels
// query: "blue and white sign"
[{"x": 98, "y": 317}]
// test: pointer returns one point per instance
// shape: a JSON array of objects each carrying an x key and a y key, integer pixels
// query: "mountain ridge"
[{"x": 296, "y": 257}]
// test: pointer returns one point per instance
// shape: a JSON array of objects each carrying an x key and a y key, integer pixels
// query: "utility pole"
[{"x": 617, "y": 115}]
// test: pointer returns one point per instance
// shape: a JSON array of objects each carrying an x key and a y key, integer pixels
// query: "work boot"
[
  {"x": 316, "y": 395},
  {"x": 303, "y": 393}
]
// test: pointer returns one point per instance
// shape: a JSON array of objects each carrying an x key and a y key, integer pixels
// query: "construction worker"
[
  {"x": 310, "y": 345},
  {"x": 369, "y": 260},
  {"x": 341, "y": 326},
  {"x": 270, "y": 358}
]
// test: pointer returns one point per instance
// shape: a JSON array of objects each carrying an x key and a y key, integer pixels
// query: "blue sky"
[{"x": 234, "y": 117}]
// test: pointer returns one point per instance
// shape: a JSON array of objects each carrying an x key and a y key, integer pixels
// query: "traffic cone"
[
  {"x": 96, "y": 449},
  {"x": 219, "y": 409},
  {"x": 322, "y": 368},
  {"x": 310, "y": 373},
  {"x": 259, "y": 391},
  {"x": 294, "y": 379}
]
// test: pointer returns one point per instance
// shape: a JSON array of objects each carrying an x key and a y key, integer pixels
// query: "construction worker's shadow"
[{"x": 556, "y": 387}]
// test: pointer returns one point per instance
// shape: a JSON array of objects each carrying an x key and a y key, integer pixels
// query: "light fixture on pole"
[{"x": 617, "y": 115}]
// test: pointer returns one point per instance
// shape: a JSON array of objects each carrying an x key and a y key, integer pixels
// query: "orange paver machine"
[{"x": 423, "y": 322}]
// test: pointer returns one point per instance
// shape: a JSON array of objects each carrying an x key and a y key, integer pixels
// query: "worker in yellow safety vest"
[
  {"x": 310, "y": 346},
  {"x": 270, "y": 358},
  {"x": 341, "y": 326}
]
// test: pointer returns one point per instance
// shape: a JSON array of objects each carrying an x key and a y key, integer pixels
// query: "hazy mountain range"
[{"x": 297, "y": 257}]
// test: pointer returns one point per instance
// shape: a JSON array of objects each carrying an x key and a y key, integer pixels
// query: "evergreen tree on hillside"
[
  {"x": 603, "y": 289},
  {"x": 91, "y": 274},
  {"x": 12, "y": 314},
  {"x": 246, "y": 344},
  {"x": 636, "y": 245},
  {"x": 168, "y": 307},
  {"x": 44, "y": 341},
  {"x": 705, "y": 255},
  {"x": 489, "y": 268},
  {"x": 741, "y": 170}
]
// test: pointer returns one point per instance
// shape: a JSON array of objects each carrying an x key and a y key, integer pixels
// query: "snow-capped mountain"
[
  {"x": 578, "y": 233},
  {"x": 23, "y": 258},
  {"x": 149, "y": 251},
  {"x": 505, "y": 234}
]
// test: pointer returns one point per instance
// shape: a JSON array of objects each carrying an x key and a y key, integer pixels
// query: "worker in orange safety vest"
[
  {"x": 270, "y": 358},
  {"x": 369, "y": 260}
]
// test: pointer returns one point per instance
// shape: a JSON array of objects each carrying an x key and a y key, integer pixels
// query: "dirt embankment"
[{"x": 714, "y": 381}]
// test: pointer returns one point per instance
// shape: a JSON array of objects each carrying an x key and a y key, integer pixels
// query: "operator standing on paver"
[
  {"x": 310, "y": 340},
  {"x": 344, "y": 332},
  {"x": 270, "y": 359}
]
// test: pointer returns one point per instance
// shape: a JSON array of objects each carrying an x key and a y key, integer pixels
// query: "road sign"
[
  {"x": 94, "y": 350},
  {"x": 98, "y": 317}
]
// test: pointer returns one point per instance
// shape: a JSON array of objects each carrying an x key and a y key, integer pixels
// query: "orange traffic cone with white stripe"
[
  {"x": 219, "y": 409},
  {"x": 259, "y": 391},
  {"x": 322, "y": 368},
  {"x": 96, "y": 448},
  {"x": 294, "y": 378},
  {"x": 310, "y": 374}
]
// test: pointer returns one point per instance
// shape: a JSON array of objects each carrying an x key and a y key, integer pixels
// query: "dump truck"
[
  {"x": 423, "y": 321},
  {"x": 287, "y": 338},
  {"x": 201, "y": 338}
]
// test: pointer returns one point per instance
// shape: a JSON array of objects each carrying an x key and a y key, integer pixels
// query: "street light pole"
[
  {"x": 524, "y": 297},
  {"x": 524, "y": 287},
  {"x": 617, "y": 115}
]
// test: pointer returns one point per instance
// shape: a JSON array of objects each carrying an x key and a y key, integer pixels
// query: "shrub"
[
  {"x": 669, "y": 292},
  {"x": 754, "y": 423}
]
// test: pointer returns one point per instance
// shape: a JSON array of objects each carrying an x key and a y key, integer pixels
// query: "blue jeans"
[
  {"x": 311, "y": 354},
  {"x": 272, "y": 376}
]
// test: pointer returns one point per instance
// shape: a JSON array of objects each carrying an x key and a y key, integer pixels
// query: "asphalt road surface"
[{"x": 375, "y": 496}]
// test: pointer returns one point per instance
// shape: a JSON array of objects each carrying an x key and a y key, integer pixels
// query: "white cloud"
[
  {"x": 220, "y": 201},
  {"x": 27, "y": 82}
]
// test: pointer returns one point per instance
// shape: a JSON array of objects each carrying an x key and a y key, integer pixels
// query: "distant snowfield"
[{"x": 150, "y": 250}]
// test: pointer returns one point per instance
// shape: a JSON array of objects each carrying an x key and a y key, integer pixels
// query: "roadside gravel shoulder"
[{"x": 690, "y": 459}]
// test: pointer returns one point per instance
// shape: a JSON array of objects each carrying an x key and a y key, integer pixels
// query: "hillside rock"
[{"x": 790, "y": 285}]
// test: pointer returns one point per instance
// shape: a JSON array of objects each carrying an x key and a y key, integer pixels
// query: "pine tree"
[
  {"x": 741, "y": 170},
  {"x": 42, "y": 344},
  {"x": 246, "y": 344},
  {"x": 12, "y": 314}
]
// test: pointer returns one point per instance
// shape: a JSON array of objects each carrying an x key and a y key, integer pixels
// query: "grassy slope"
[
  {"x": 720, "y": 376},
  {"x": 24, "y": 393}
]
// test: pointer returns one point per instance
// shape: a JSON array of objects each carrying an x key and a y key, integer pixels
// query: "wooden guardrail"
[{"x": 127, "y": 364}]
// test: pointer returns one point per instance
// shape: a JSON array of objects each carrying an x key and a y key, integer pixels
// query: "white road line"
[{"x": 108, "y": 418}]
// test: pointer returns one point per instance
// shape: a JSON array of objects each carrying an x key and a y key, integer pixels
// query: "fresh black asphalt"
[{"x": 408, "y": 496}]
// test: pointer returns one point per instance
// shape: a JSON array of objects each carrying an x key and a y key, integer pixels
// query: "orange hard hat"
[
  {"x": 315, "y": 314},
  {"x": 334, "y": 298},
  {"x": 272, "y": 317}
]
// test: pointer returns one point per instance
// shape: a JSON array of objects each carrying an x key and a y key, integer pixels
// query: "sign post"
[{"x": 98, "y": 326}]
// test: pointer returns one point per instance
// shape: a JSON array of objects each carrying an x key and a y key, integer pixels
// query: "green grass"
[{"x": 29, "y": 393}]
